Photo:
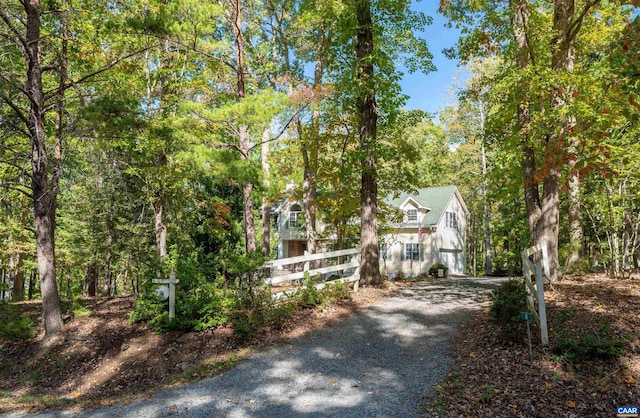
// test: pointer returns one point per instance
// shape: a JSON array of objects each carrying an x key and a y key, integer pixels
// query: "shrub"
[
  {"x": 593, "y": 345},
  {"x": 79, "y": 310},
  {"x": 307, "y": 295},
  {"x": 13, "y": 326},
  {"x": 508, "y": 301},
  {"x": 251, "y": 304},
  {"x": 433, "y": 270}
]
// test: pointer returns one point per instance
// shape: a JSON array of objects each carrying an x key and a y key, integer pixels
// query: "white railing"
[
  {"x": 305, "y": 262},
  {"x": 537, "y": 291}
]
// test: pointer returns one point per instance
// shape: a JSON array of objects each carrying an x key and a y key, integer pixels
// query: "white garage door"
[{"x": 454, "y": 259}]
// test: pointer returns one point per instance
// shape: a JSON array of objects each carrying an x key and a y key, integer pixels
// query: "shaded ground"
[
  {"x": 492, "y": 378},
  {"x": 101, "y": 360},
  {"x": 377, "y": 362}
]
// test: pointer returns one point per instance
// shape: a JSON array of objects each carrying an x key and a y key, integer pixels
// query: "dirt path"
[{"x": 378, "y": 362}]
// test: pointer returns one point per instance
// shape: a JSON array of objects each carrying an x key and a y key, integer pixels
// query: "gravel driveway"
[{"x": 376, "y": 363}]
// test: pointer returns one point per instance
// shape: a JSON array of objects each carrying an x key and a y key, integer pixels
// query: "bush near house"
[{"x": 433, "y": 270}]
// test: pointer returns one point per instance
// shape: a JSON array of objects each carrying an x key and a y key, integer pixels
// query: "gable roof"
[{"x": 435, "y": 198}]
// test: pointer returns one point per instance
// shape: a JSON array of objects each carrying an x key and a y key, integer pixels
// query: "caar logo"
[{"x": 627, "y": 411}]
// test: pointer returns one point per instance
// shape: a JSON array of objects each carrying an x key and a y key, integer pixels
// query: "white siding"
[
  {"x": 450, "y": 240},
  {"x": 395, "y": 263}
]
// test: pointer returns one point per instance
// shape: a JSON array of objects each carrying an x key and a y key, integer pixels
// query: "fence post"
[
  {"x": 542, "y": 309},
  {"x": 306, "y": 265}
]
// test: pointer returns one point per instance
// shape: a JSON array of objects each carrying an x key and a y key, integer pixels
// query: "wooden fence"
[
  {"x": 284, "y": 269},
  {"x": 536, "y": 291}
]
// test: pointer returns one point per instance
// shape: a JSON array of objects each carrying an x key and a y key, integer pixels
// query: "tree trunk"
[
  {"x": 11, "y": 273},
  {"x": 612, "y": 235},
  {"x": 3, "y": 283},
  {"x": 309, "y": 193},
  {"x": 18, "y": 280},
  {"x": 44, "y": 194},
  {"x": 368, "y": 118},
  {"x": 627, "y": 233},
  {"x": 547, "y": 227},
  {"x": 575, "y": 220},
  {"x": 90, "y": 279},
  {"x": 249, "y": 225},
  {"x": 244, "y": 145},
  {"x": 562, "y": 59},
  {"x": 266, "y": 206},
  {"x": 635, "y": 252},
  {"x": 520, "y": 25},
  {"x": 32, "y": 284},
  {"x": 488, "y": 268},
  {"x": 310, "y": 156},
  {"x": 160, "y": 226}
]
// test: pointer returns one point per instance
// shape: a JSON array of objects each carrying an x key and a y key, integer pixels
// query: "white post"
[
  {"x": 171, "y": 281},
  {"x": 542, "y": 310},
  {"x": 172, "y": 295}
]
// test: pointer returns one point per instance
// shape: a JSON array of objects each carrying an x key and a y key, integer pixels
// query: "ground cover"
[
  {"x": 100, "y": 359},
  {"x": 591, "y": 366}
]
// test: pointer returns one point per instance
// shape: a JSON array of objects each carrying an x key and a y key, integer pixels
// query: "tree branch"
[
  {"x": 20, "y": 86},
  {"x": 194, "y": 48},
  {"x": 19, "y": 111},
  {"x": 20, "y": 168},
  {"x": 577, "y": 24},
  {"x": 283, "y": 130},
  {"x": 18, "y": 39},
  {"x": 54, "y": 92},
  {"x": 226, "y": 146},
  {"x": 18, "y": 188}
]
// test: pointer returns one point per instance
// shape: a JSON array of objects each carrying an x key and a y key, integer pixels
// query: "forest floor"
[
  {"x": 590, "y": 318},
  {"x": 102, "y": 360}
]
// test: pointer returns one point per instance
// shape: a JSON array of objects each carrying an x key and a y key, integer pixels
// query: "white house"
[{"x": 433, "y": 230}]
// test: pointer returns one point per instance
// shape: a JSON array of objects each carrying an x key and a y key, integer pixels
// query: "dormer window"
[
  {"x": 412, "y": 215},
  {"x": 296, "y": 219}
]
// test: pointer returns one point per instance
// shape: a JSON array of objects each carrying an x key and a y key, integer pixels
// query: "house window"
[
  {"x": 451, "y": 220},
  {"x": 411, "y": 251},
  {"x": 412, "y": 215},
  {"x": 296, "y": 218}
]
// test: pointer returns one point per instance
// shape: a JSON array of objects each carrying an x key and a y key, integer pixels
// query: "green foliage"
[
  {"x": 308, "y": 296},
  {"x": 13, "y": 326},
  {"x": 255, "y": 308},
  {"x": 79, "y": 310},
  {"x": 593, "y": 345},
  {"x": 202, "y": 302},
  {"x": 507, "y": 301},
  {"x": 433, "y": 270}
]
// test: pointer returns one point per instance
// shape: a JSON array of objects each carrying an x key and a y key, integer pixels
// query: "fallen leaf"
[
  {"x": 548, "y": 385},
  {"x": 472, "y": 354},
  {"x": 333, "y": 381},
  {"x": 571, "y": 404},
  {"x": 630, "y": 379}
]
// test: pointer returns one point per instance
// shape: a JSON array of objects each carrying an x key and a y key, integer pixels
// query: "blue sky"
[{"x": 432, "y": 91}]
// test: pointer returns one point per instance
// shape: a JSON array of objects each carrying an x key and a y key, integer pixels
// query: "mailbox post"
[{"x": 171, "y": 281}]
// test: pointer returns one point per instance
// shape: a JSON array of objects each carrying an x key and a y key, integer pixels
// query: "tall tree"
[
  {"x": 22, "y": 28},
  {"x": 368, "y": 125},
  {"x": 539, "y": 58}
]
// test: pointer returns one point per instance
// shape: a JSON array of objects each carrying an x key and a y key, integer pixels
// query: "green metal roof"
[{"x": 435, "y": 199}]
